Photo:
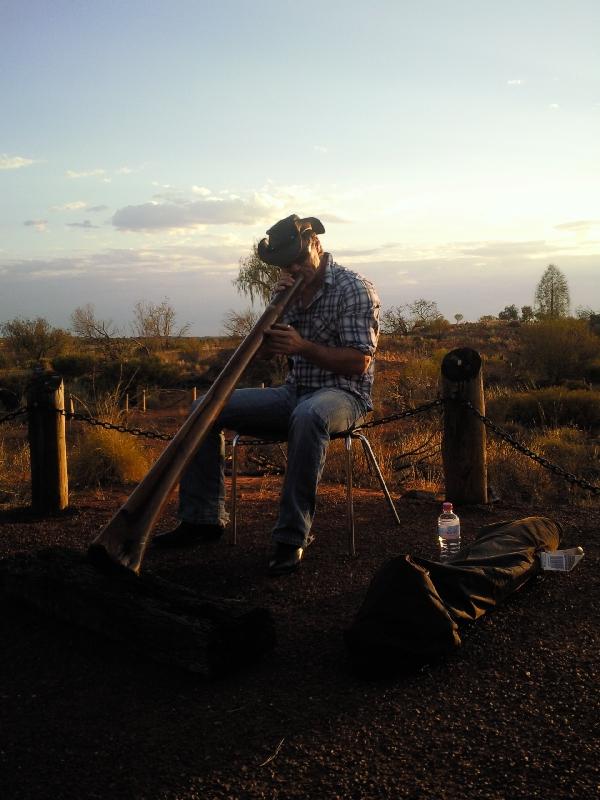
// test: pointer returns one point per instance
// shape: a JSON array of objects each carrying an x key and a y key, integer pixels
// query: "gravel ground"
[{"x": 513, "y": 714}]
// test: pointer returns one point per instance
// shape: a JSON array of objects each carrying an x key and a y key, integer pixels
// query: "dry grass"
[
  {"x": 101, "y": 457},
  {"x": 14, "y": 468}
]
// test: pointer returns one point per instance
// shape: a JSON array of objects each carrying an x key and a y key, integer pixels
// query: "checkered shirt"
[{"x": 343, "y": 313}]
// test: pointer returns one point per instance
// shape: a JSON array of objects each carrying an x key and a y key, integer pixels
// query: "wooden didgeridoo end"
[{"x": 120, "y": 548}]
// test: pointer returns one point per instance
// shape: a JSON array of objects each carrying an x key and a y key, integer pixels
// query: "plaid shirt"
[{"x": 343, "y": 313}]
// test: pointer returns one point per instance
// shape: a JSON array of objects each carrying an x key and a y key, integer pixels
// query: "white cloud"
[
  {"x": 578, "y": 226},
  {"x": 320, "y": 148},
  {"x": 90, "y": 173},
  {"x": 14, "y": 162},
  {"x": 74, "y": 206},
  {"x": 553, "y": 105},
  {"x": 178, "y": 214},
  {"x": 201, "y": 190},
  {"x": 515, "y": 82}
]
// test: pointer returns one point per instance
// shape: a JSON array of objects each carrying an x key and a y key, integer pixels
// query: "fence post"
[
  {"x": 194, "y": 394},
  {"x": 143, "y": 400},
  {"x": 47, "y": 443},
  {"x": 463, "y": 448}
]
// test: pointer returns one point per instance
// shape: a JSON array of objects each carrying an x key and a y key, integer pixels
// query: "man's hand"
[{"x": 284, "y": 340}]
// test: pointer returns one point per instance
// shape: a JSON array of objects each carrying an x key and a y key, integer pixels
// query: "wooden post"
[
  {"x": 126, "y": 403},
  {"x": 463, "y": 447},
  {"x": 47, "y": 443},
  {"x": 143, "y": 400},
  {"x": 194, "y": 394}
]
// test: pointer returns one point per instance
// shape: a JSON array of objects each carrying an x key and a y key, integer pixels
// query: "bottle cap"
[{"x": 447, "y": 506}]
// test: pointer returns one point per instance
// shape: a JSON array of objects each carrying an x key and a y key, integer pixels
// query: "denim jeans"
[{"x": 305, "y": 419}]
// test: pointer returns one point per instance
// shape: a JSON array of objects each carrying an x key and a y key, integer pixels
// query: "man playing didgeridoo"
[{"x": 329, "y": 334}]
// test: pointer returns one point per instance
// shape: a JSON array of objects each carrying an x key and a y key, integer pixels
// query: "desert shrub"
[
  {"x": 15, "y": 380},
  {"x": 14, "y": 468},
  {"x": 552, "y": 406},
  {"x": 515, "y": 476},
  {"x": 102, "y": 457},
  {"x": 151, "y": 371},
  {"x": 559, "y": 348},
  {"x": 74, "y": 366}
]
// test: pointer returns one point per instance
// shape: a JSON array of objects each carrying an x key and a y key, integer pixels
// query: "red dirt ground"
[{"x": 513, "y": 714}]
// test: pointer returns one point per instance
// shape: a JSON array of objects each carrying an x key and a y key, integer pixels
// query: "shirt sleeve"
[{"x": 359, "y": 317}]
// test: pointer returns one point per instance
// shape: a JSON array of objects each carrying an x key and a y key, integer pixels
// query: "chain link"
[
  {"x": 410, "y": 412},
  {"x": 109, "y": 426},
  {"x": 13, "y": 415},
  {"x": 544, "y": 462}
]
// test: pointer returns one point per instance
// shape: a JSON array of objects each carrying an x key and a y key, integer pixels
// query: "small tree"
[
  {"x": 509, "y": 312},
  {"x": 459, "y": 318},
  {"x": 256, "y": 279},
  {"x": 102, "y": 333},
  {"x": 527, "y": 314},
  {"x": 34, "y": 339},
  {"x": 157, "y": 321},
  {"x": 394, "y": 321},
  {"x": 552, "y": 294},
  {"x": 423, "y": 311},
  {"x": 239, "y": 323}
]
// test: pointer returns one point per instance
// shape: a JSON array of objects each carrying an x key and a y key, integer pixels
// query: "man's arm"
[{"x": 285, "y": 340}]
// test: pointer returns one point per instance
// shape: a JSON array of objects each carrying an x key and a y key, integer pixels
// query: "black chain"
[
  {"x": 544, "y": 462},
  {"x": 109, "y": 426},
  {"x": 410, "y": 412},
  {"x": 13, "y": 415}
]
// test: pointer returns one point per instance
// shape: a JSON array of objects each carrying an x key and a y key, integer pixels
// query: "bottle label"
[{"x": 449, "y": 532}]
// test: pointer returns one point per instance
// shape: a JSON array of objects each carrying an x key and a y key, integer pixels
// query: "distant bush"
[
  {"x": 548, "y": 407},
  {"x": 74, "y": 366},
  {"x": 556, "y": 349}
]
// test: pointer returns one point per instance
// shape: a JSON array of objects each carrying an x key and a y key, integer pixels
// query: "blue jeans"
[{"x": 306, "y": 420}]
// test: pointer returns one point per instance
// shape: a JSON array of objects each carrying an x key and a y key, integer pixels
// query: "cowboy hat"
[{"x": 284, "y": 245}]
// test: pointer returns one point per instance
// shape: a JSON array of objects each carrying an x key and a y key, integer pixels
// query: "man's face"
[{"x": 308, "y": 265}]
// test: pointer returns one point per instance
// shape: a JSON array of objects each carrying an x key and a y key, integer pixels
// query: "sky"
[{"x": 452, "y": 150}]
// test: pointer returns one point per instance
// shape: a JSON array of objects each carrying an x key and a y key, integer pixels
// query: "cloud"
[
  {"x": 553, "y": 105},
  {"x": 583, "y": 225},
  {"x": 192, "y": 213},
  {"x": 74, "y": 206},
  {"x": 14, "y": 162},
  {"x": 90, "y": 173},
  {"x": 320, "y": 148},
  {"x": 38, "y": 224},
  {"x": 85, "y": 224},
  {"x": 515, "y": 82}
]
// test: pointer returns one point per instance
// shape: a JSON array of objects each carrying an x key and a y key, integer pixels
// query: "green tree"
[
  {"x": 458, "y": 318},
  {"x": 555, "y": 349},
  {"x": 509, "y": 312},
  {"x": 552, "y": 294},
  {"x": 34, "y": 339},
  {"x": 255, "y": 278},
  {"x": 527, "y": 314}
]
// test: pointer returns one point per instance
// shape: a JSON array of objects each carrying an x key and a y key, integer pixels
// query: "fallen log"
[{"x": 161, "y": 620}]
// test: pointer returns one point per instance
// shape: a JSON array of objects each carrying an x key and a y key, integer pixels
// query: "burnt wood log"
[{"x": 161, "y": 620}]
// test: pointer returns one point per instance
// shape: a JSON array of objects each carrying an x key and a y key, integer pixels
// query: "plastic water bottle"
[{"x": 448, "y": 532}]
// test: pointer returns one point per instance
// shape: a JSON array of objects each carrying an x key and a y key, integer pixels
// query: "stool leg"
[
  {"x": 349, "y": 502},
  {"x": 370, "y": 456},
  {"x": 234, "y": 466}
]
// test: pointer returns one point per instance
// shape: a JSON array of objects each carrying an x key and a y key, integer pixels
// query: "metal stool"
[{"x": 348, "y": 436}]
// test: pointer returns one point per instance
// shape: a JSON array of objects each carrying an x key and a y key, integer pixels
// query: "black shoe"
[
  {"x": 285, "y": 558},
  {"x": 186, "y": 534}
]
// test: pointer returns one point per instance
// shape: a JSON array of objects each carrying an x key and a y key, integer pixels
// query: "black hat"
[{"x": 285, "y": 244}]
